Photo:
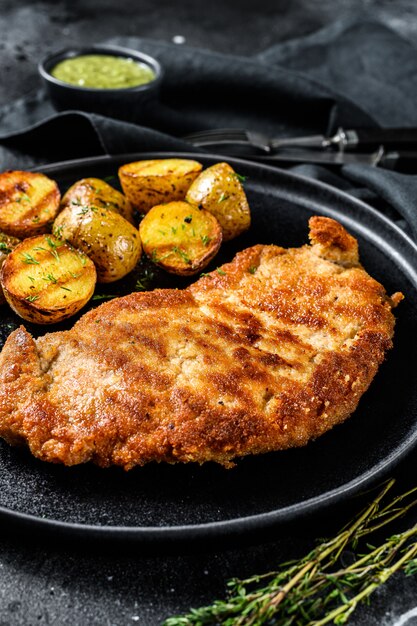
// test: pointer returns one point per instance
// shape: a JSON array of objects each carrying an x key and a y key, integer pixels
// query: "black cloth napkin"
[{"x": 351, "y": 74}]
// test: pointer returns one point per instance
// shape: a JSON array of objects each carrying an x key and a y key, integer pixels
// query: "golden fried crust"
[{"x": 266, "y": 353}]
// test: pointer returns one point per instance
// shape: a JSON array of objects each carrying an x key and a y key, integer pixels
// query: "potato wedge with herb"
[
  {"x": 7, "y": 244},
  {"x": 179, "y": 237},
  {"x": 45, "y": 280},
  {"x": 218, "y": 190},
  {"x": 152, "y": 182},
  {"x": 96, "y": 192},
  {"x": 106, "y": 237},
  {"x": 29, "y": 203}
]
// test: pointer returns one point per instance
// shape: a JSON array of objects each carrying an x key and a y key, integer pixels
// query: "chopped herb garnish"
[
  {"x": 174, "y": 230},
  {"x": 86, "y": 208},
  {"x": 220, "y": 271},
  {"x": 58, "y": 231},
  {"x": 205, "y": 239},
  {"x": 53, "y": 247},
  {"x": 36, "y": 219},
  {"x": 139, "y": 286},
  {"x": 65, "y": 288},
  {"x": 32, "y": 280},
  {"x": 182, "y": 254},
  {"x": 103, "y": 296},
  {"x": 28, "y": 258},
  {"x": 32, "y": 298},
  {"x": 4, "y": 248},
  {"x": 107, "y": 179},
  {"x": 50, "y": 278},
  {"x": 252, "y": 269},
  {"x": 223, "y": 197},
  {"x": 240, "y": 178},
  {"x": 23, "y": 198},
  {"x": 145, "y": 279}
]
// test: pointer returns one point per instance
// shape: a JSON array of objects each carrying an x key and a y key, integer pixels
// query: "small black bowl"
[{"x": 131, "y": 104}]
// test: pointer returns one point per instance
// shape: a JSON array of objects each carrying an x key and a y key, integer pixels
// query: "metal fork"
[{"x": 255, "y": 139}]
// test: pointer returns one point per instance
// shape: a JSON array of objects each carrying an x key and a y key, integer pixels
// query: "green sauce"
[{"x": 101, "y": 71}]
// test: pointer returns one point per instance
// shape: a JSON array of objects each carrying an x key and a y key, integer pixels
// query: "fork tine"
[{"x": 236, "y": 136}]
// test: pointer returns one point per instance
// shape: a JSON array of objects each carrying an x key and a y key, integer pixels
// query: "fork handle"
[
  {"x": 312, "y": 141},
  {"x": 374, "y": 137}
]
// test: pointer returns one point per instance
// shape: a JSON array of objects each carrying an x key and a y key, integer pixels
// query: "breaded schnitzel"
[{"x": 265, "y": 353}]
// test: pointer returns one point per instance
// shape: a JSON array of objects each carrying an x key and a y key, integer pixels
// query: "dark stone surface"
[
  {"x": 31, "y": 30},
  {"x": 45, "y": 581}
]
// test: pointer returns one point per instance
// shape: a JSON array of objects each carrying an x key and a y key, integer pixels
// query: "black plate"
[{"x": 162, "y": 502}]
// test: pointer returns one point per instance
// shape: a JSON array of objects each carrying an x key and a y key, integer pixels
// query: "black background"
[{"x": 46, "y": 579}]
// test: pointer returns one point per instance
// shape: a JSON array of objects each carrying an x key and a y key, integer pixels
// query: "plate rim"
[{"x": 257, "y": 521}]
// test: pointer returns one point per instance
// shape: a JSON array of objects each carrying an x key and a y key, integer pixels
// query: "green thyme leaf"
[{"x": 320, "y": 588}]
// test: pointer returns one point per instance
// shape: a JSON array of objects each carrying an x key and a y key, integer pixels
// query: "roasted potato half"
[
  {"x": 7, "y": 244},
  {"x": 96, "y": 192},
  {"x": 29, "y": 203},
  {"x": 179, "y": 237},
  {"x": 45, "y": 280},
  {"x": 148, "y": 183},
  {"x": 218, "y": 190},
  {"x": 106, "y": 237}
]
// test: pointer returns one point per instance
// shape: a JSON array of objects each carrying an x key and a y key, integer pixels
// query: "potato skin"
[
  {"x": 7, "y": 244},
  {"x": 106, "y": 237},
  {"x": 152, "y": 182},
  {"x": 218, "y": 190},
  {"x": 45, "y": 280},
  {"x": 96, "y": 192},
  {"x": 179, "y": 237},
  {"x": 29, "y": 203}
]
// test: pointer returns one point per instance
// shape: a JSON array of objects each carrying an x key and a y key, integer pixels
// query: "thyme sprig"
[{"x": 318, "y": 589}]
